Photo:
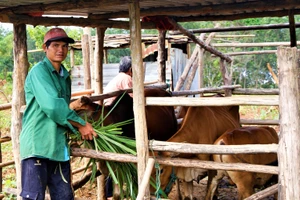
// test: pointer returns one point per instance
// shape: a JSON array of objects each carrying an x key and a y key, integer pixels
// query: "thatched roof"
[{"x": 107, "y": 13}]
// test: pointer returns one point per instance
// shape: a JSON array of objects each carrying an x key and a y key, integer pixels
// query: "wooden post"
[
  {"x": 99, "y": 55},
  {"x": 161, "y": 58},
  {"x": 226, "y": 77},
  {"x": 91, "y": 54},
  {"x": 138, "y": 91},
  {"x": 21, "y": 66},
  {"x": 146, "y": 179},
  {"x": 105, "y": 56},
  {"x": 272, "y": 73},
  {"x": 86, "y": 59},
  {"x": 201, "y": 65},
  {"x": 193, "y": 71},
  {"x": 289, "y": 104},
  {"x": 72, "y": 59},
  {"x": 292, "y": 28},
  {"x": 186, "y": 70},
  {"x": 201, "y": 58},
  {"x": 98, "y": 84}
]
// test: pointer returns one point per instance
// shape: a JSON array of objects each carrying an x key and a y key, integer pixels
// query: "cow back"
[
  {"x": 204, "y": 124},
  {"x": 161, "y": 120},
  {"x": 250, "y": 135}
]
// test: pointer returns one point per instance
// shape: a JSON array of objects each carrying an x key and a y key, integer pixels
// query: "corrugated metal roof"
[{"x": 102, "y": 12}]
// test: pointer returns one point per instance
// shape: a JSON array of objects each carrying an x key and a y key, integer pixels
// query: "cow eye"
[{"x": 161, "y": 170}]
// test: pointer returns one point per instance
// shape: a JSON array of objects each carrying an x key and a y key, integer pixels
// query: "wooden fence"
[{"x": 258, "y": 97}]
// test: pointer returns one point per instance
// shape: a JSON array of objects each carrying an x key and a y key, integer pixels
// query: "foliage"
[
  {"x": 250, "y": 71},
  {"x": 6, "y": 52}
]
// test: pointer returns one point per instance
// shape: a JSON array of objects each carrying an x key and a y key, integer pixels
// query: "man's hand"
[{"x": 87, "y": 132}]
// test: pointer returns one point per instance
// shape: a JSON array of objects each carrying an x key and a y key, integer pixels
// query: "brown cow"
[
  {"x": 245, "y": 181},
  {"x": 201, "y": 125},
  {"x": 161, "y": 120}
]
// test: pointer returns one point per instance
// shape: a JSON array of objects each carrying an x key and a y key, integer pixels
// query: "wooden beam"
[
  {"x": 208, "y": 10},
  {"x": 181, "y": 147},
  {"x": 70, "y": 5},
  {"x": 197, "y": 41},
  {"x": 259, "y": 44},
  {"x": 237, "y": 28},
  {"x": 180, "y": 162},
  {"x": 69, "y": 21},
  {"x": 264, "y": 193},
  {"x": 208, "y": 101}
]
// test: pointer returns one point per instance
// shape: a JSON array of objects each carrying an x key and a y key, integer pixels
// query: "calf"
[{"x": 245, "y": 181}]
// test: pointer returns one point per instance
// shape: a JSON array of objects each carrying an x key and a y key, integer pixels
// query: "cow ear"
[{"x": 85, "y": 100}]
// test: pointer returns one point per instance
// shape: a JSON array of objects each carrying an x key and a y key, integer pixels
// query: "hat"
[{"x": 57, "y": 34}]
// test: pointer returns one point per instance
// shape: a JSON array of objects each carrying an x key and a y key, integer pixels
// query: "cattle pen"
[{"x": 99, "y": 14}]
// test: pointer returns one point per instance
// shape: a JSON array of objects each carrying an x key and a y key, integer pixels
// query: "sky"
[{"x": 7, "y": 25}]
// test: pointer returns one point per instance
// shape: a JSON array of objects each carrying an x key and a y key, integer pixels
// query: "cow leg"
[
  {"x": 178, "y": 190},
  {"x": 244, "y": 182},
  {"x": 117, "y": 192},
  {"x": 214, "y": 178},
  {"x": 187, "y": 188}
]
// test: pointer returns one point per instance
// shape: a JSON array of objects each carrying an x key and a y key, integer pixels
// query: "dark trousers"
[
  {"x": 109, "y": 187},
  {"x": 39, "y": 173}
]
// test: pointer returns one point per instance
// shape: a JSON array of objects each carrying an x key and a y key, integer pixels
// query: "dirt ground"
[{"x": 225, "y": 191}]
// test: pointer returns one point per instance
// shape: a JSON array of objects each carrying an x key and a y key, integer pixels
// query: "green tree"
[{"x": 6, "y": 53}]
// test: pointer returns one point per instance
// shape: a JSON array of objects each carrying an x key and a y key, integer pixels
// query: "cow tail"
[{"x": 221, "y": 155}]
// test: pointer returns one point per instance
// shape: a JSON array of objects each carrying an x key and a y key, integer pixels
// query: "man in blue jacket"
[{"x": 46, "y": 120}]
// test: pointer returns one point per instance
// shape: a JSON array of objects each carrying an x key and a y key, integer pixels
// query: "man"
[
  {"x": 46, "y": 121},
  {"x": 122, "y": 81}
]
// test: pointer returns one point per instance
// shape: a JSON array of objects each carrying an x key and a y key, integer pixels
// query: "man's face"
[{"x": 57, "y": 51}]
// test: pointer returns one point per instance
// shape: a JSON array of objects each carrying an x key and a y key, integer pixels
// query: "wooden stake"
[{"x": 272, "y": 73}]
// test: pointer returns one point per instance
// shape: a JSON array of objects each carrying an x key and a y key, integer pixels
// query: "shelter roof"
[{"x": 108, "y": 13}]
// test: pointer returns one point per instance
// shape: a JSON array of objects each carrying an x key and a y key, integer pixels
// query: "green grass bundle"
[{"x": 110, "y": 139}]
